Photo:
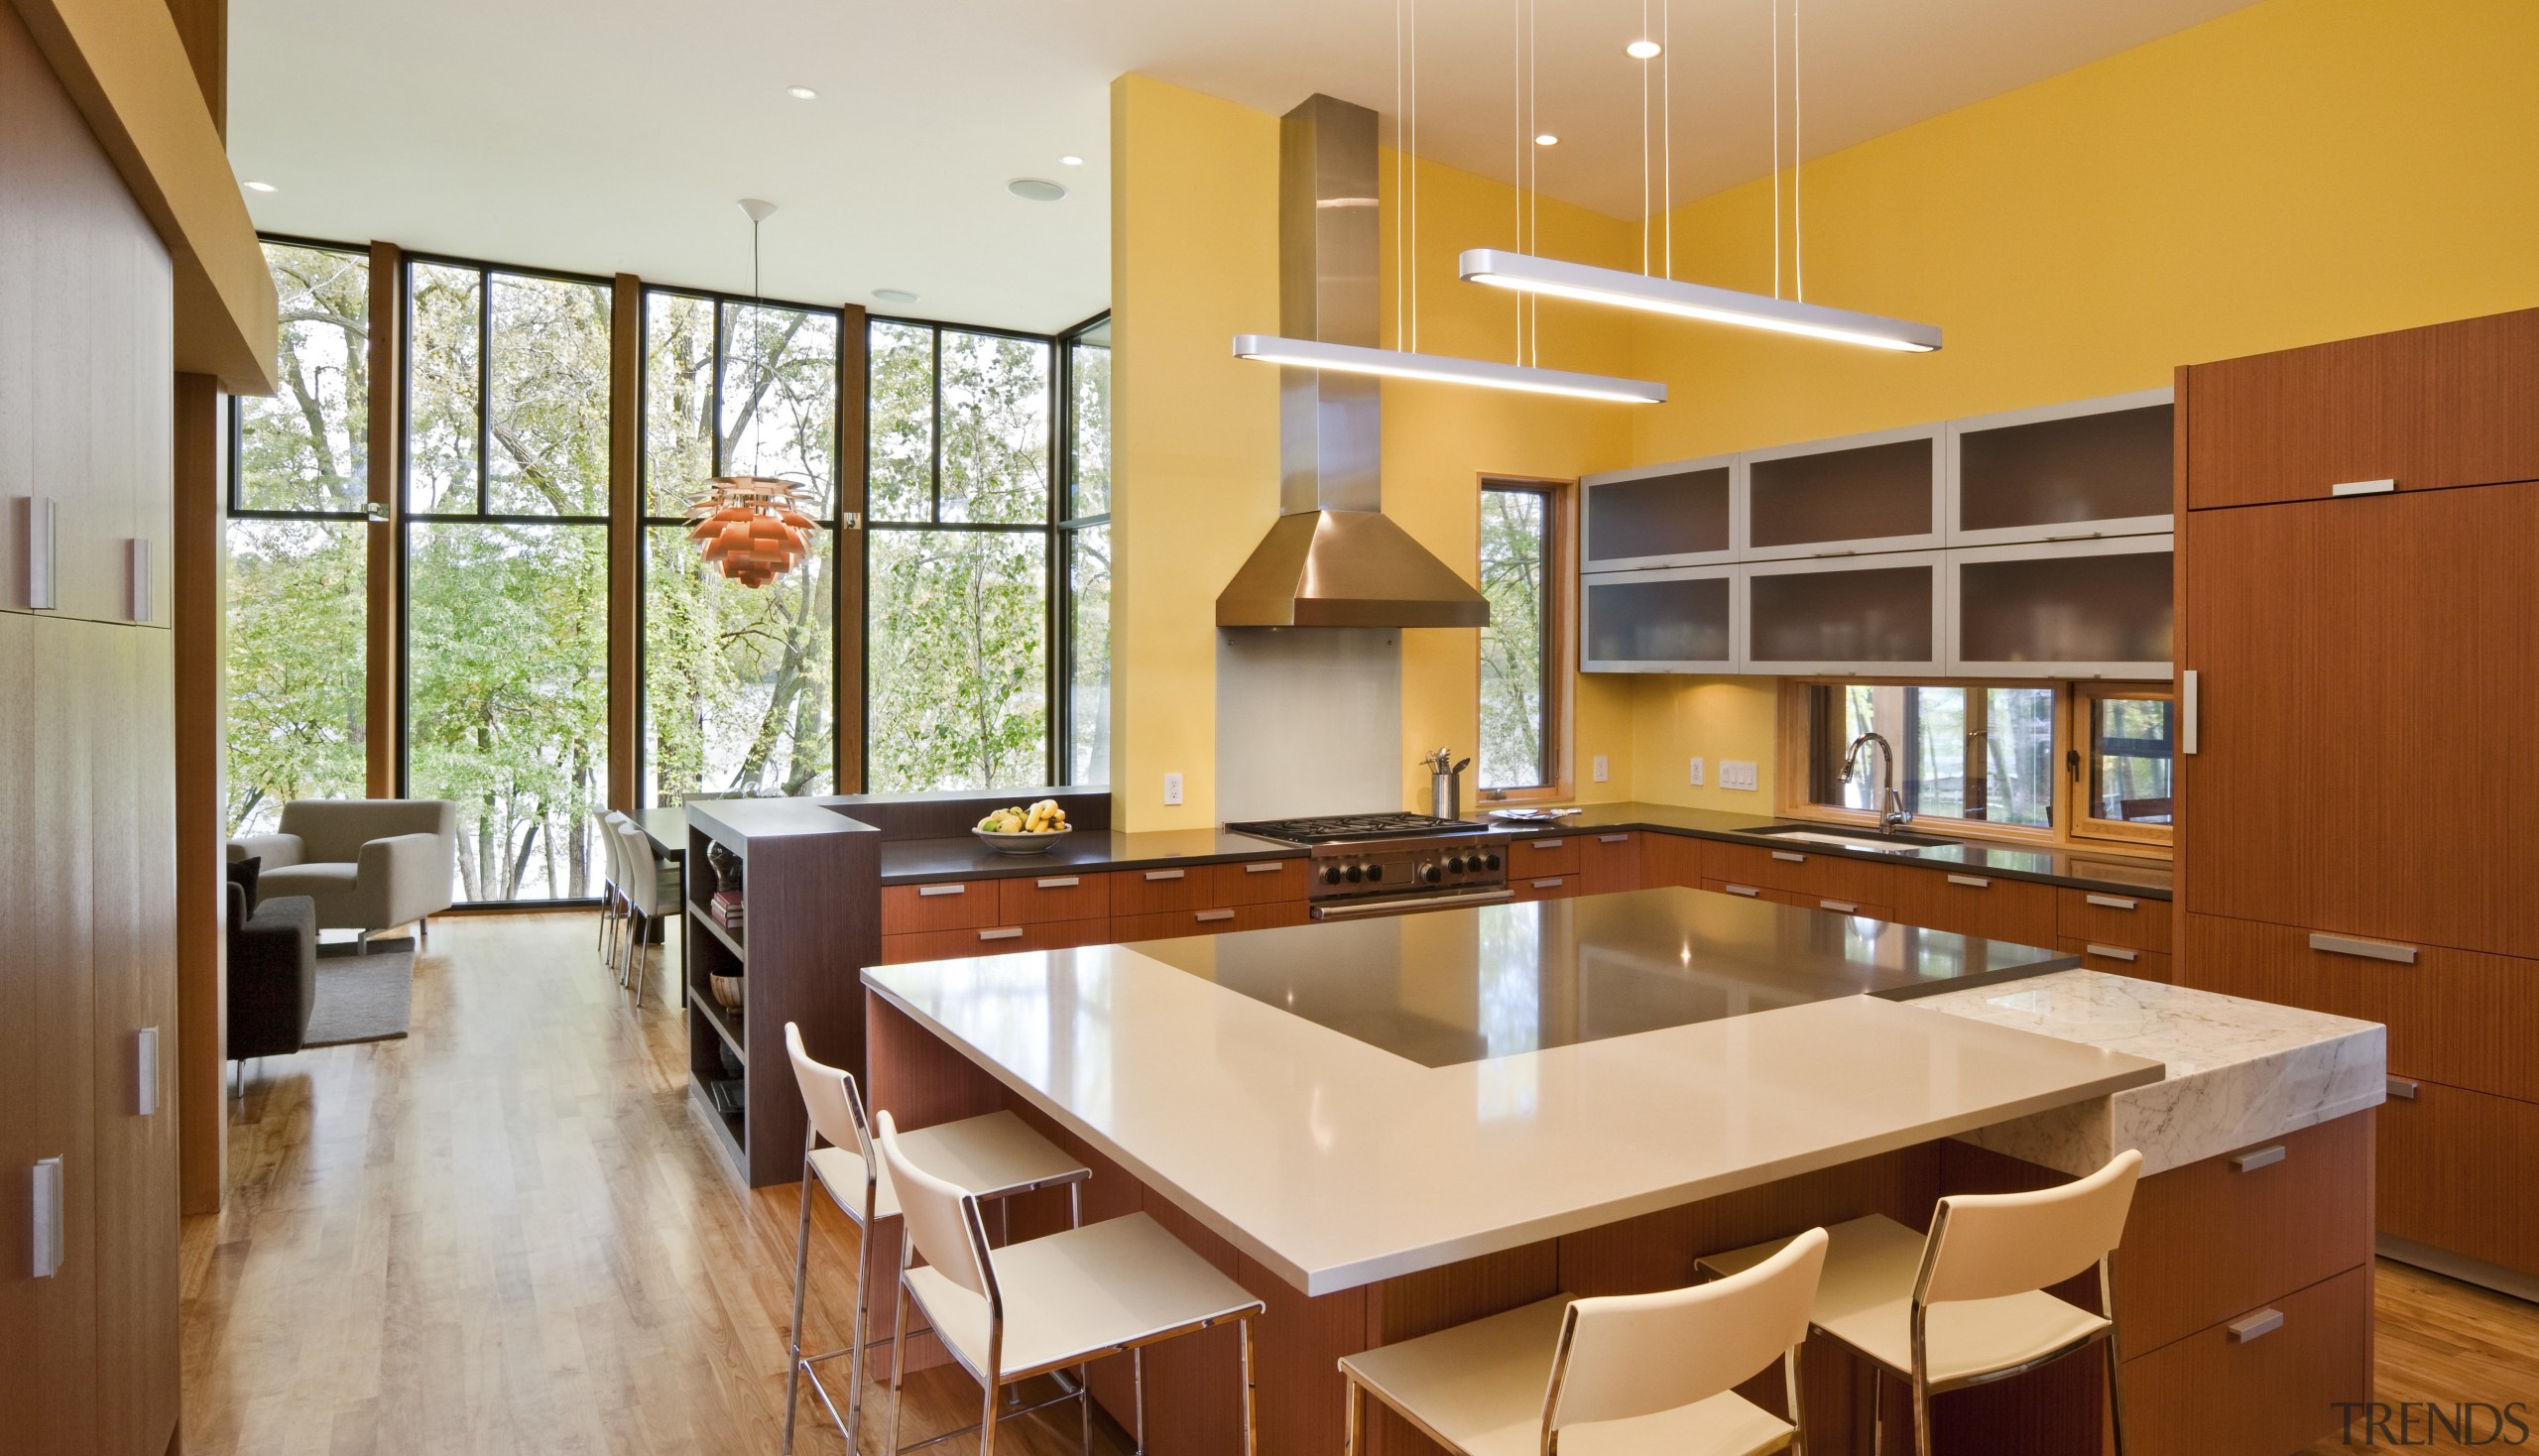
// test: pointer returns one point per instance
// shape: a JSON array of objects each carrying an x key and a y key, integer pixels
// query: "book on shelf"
[{"x": 727, "y": 908}]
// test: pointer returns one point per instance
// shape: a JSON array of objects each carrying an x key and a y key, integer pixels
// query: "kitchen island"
[{"x": 1388, "y": 1126}]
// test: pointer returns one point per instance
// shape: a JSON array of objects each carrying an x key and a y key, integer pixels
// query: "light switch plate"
[
  {"x": 1733, "y": 775},
  {"x": 1697, "y": 772},
  {"x": 1173, "y": 789},
  {"x": 1602, "y": 771}
]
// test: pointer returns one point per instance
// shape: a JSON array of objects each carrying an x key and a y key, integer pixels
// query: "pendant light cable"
[
  {"x": 1517, "y": 125},
  {"x": 1643, "y": 148},
  {"x": 1777, "y": 147},
  {"x": 1666, "y": 182},
  {"x": 1535, "y": 190},
  {"x": 1797, "y": 158},
  {"x": 1400, "y": 187}
]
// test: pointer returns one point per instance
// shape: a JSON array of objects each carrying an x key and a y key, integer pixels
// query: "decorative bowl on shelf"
[{"x": 1036, "y": 842}]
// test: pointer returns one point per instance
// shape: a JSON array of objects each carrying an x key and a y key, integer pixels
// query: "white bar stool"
[
  {"x": 1045, "y": 1305},
  {"x": 650, "y": 886},
  {"x": 1652, "y": 1373},
  {"x": 612, "y": 900},
  {"x": 997, "y": 1156},
  {"x": 1968, "y": 1305}
]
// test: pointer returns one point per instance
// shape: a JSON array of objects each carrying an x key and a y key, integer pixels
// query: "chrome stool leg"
[{"x": 793, "y": 1347}]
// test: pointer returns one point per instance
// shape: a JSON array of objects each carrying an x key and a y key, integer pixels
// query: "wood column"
[
  {"x": 854, "y": 480},
  {"x": 625, "y": 543},
  {"x": 198, "y": 609},
  {"x": 381, "y": 702}
]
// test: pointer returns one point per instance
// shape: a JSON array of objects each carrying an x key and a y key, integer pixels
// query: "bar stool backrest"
[
  {"x": 612, "y": 824},
  {"x": 642, "y": 885},
  {"x": 1983, "y": 1245},
  {"x": 830, "y": 1096},
  {"x": 942, "y": 1220},
  {"x": 1630, "y": 1354}
]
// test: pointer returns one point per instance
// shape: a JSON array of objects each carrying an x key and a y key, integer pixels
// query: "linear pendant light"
[
  {"x": 1550, "y": 276},
  {"x": 1445, "y": 369}
]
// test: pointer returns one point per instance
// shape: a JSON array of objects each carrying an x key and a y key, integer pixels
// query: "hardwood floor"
[{"x": 505, "y": 1233}]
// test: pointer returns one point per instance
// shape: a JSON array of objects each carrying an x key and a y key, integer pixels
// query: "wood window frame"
[
  {"x": 2069, "y": 827},
  {"x": 1560, "y": 646},
  {"x": 2079, "y": 728}
]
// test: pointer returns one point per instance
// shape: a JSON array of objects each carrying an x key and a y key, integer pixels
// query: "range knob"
[
  {"x": 1491, "y": 861},
  {"x": 1375, "y": 872},
  {"x": 1455, "y": 866},
  {"x": 1355, "y": 874},
  {"x": 1429, "y": 874},
  {"x": 1331, "y": 874}
]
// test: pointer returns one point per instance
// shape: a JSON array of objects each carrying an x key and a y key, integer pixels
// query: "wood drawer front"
[
  {"x": 1066, "y": 897},
  {"x": 2455, "y": 1172},
  {"x": 1609, "y": 863},
  {"x": 2220, "y": 1240},
  {"x": 1547, "y": 886},
  {"x": 1153, "y": 891},
  {"x": 1207, "y": 920},
  {"x": 1670, "y": 859},
  {"x": 953, "y": 905},
  {"x": 2113, "y": 919},
  {"x": 2119, "y": 960},
  {"x": 1532, "y": 858},
  {"x": 1970, "y": 903},
  {"x": 1258, "y": 882},
  {"x": 993, "y": 940},
  {"x": 2455, "y": 1016},
  {"x": 2268, "y": 1396},
  {"x": 1746, "y": 891},
  {"x": 1751, "y": 863}
]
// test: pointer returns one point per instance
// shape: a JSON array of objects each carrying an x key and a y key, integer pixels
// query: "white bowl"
[{"x": 1035, "y": 843}]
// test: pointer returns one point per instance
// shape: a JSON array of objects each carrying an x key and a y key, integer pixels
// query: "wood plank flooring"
[{"x": 505, "y": 1233}]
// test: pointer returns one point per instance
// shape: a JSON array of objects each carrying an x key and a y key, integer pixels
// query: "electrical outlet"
[
  {"x": 1697, "y": 772},
  {"x": 1173, "y": 789},
  {"x": 1603, "y": 770},
  {"x": 1733, "y": 774}
]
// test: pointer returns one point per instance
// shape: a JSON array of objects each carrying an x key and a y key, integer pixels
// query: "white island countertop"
[{"x": 1335, "y": 1164}]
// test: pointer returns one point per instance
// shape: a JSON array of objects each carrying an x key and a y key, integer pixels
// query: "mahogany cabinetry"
[{"x": 1067, "y": 906}]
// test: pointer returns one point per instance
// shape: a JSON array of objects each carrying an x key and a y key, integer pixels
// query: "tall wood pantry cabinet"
[
  {"x": 2359, "y": 609},
  {"x": 88, "y": 1193}
]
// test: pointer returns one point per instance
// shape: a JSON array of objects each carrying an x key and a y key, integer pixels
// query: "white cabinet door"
[
  {"x": 1683, "y": 620},
  {"x": 2063, "y": 472},
  {"x": 2069, "y": 609},
  {"x": 1871, "y": 615},
  {"x": 1679, "y": 515},
  {"x": 1862, "y": 493}
]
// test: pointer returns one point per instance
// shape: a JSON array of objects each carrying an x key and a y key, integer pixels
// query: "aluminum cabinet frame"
[
  {"x": 1934, "y": 434},
  {"x": 1953, "y": 591},
  {"x": 1752, "y": 572},
  {"x": 1731, "y": 664},
  {"x": 2092, "y": 530},
  {"x": 1589, "y": 485}
]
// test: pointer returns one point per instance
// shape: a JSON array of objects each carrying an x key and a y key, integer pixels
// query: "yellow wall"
[{"x": 2292, "y": 172}]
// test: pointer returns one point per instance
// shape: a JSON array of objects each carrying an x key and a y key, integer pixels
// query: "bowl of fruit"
[{"x": 1024, "y": 831}]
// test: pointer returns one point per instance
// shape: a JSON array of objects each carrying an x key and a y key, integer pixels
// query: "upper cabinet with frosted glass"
[
  {"x": 1680, "y": 514},
  {"x": 2080, "y": 471},
  {"x": 1862, "y": 493}
]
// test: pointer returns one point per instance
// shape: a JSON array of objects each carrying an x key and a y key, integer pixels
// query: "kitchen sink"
[{"x": 1864, "y": 841}]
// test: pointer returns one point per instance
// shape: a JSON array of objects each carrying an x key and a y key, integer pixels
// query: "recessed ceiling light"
[
  {"x": 894, "y": 296},
  {"x": 1546, "y": 140},
  {"x": 1070, "y": 159},
  {"x": 258, "y": 187},
  {"x": 801, "y": 94},
  {"x": 1643, "y": 49},
  {"x": 1035, "y": 189}
]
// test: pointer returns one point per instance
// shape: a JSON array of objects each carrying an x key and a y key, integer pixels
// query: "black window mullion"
[
  {"x": 714, "y": 393},
  {"x": 484, "y": 391},
  {"x": 935, "y": 341}
]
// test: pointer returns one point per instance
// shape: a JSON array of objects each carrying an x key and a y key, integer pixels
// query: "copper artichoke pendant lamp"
[{"x": 752, "y": 528}]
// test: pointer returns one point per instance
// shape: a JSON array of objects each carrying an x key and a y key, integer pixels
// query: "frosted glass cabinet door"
[
  {"x": 2064, "y": 472},
  {"x": 2072, "y": 609},
  {"x": 1679, "y": 515},
  {"x": 1875, "y": 614},
  {"x": 1840, "y": 497},
  {"x": 1683, "y": 620}
]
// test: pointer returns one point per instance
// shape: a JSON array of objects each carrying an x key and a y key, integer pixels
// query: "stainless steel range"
[{"x": 1372, "y": 864}]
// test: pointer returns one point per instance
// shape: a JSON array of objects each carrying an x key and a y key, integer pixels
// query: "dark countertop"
[
  {"x": 910, "y": 861},
  {"x": 1447, "y": 987}
]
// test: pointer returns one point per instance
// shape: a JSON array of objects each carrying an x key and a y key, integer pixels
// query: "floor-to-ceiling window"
[
  {"x": 739, "y": 684},
  {"x": 297, "y": 573},
  {"x": 506, "y": 571},
  {"x": 1084, "y": 554}
]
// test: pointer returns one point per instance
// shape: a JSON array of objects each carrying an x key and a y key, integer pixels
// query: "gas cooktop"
[{"x": 1336, "y": 829}]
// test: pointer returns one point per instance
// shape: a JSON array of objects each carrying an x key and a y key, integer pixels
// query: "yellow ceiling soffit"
[{"x": 126, "y": 68}]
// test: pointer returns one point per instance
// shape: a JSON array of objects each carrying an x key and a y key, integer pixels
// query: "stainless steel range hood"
[{"x": 1334, "y": 559}]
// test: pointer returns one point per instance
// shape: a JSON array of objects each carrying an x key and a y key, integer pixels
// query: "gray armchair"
[{"x": 370, "y": 863}]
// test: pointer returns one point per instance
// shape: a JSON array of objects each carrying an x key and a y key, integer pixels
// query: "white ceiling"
[{"x": 607, "y": 137}]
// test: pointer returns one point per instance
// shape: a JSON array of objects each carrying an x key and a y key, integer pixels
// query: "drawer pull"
[
  {"x": 1839, "y": 907},
  {"x": 1546, "y": 843},
  {"x": 1206, "y": 917},
  {"x": 1744, "y": 889},
  {"x": 2250, "y": 1326},
  {"x": 2250, "y": 1161},
  {"x": 2403, "y": 1088},
  {"x": 1271, "y": 868},
  {"x": 146, "y": 1059},
  {"x": 928, "y": 891},
  {"x": 1060, "y": 882},
  {"x": 1970, "y": 882},
  {"x": 1009, "y": 932},
  {"x": 1792, "y": 856},
  {"x": 1551, "y": 884},
  {"x": 2363, "y": 487},
  {"x": 48, "y": 1223},
  {"x": 2112, "y": 952},
  {"x": 1163, "y": 874},
  {"x": 2113, "y": 902},
  {"x": 2404, "y": 955},
  {"x": 1613, "y": 839}
]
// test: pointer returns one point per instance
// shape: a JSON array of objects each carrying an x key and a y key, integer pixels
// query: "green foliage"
[
  {"x": 296, "y": 677},
  {"x": 1516, "y": 526},
  {"x": 307, "y": 447}
]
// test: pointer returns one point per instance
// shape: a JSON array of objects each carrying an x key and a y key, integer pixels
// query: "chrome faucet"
[{"x": 1894, "y": 816}]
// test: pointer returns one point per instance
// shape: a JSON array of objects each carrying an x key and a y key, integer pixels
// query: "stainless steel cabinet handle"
[
  {"x": 1839, "y": 906},
  {"x": 2078, "y": 535},
  {"x": 1163, "y": 874},
  {"x": 140, "y": 553},
  {"x": 1059, "y": 882},
  {"x": 1407, "y": 906},
  {"x": 2363, "y": 487},
  {"x": 1970, "y": 882},
  {"x": 1009, "y": 932},
  {"x": 37, "y": 540},
  {"x": 2249, "y": 1326},
  {"x": 1204, "y": 917},
  {"x": 928, "y": 891},
  {"x": 2404, "y": 955},
  {"x": 1551, "y": 884},
  {"x": 1792, "y": 856},
  {"x": 1271, "y": 868},
  {"x": 1612, "y": 838},
  {"x": 47, "y": 1218},
  {"x": 2190, "y": 705},
  {"x": 2402, "y": 1088},
  {"x": 145, "y": 1101},
  {"x": 2112, "y": 952},
  {"x": 1746, "y": 890},
  {"x": 2250, "y": 1161},
  {"x": 2113, "y": 902},
  {"x": 1546, "y": 844}
]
